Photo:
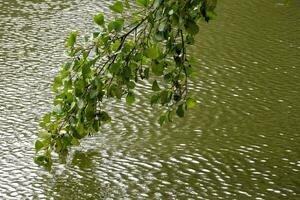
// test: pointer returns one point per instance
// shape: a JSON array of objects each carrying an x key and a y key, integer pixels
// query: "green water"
[{"x": 241, "y": 141}]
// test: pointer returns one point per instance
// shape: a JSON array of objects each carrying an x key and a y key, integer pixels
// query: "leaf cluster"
[{"x": 151, "y": 45}]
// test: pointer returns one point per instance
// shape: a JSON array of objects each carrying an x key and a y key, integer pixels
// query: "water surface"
[{"x": 241, "y": 141}]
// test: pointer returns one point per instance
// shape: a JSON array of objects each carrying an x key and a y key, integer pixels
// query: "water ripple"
[{"x": 241, "y": 142}]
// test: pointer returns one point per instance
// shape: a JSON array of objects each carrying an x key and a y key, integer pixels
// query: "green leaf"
[
  {"x": 72, "y": 39},
  {"x": 130, "y": 85},
  {"x": 93, "y": 94},
  {"x": 116, "y": 25},
  {"x": 80, "y": 129},
  {"x": 157, "y": 69},
  {"x": 99, "y": 19},
  {"x": 162, "y": 119},
  {"x": 85, "y": 54},
  {"x": 80, "y": 103},
  {"x": 67, "y": 65},
  {"x": 169, "y": 115},
  {"x": 164, "y": 97},
  {"x": 159, "y": 36},
  {"x": 117, "y": 7},
  {"x": 111, "y": 26},
  {"x": 126, "y": 74},
  {"x": 44, "y": 134},
  {"x": 180, "y": 111},
  {"x": 80, "y": 84},
  {"x": 168, "y": 77},
  {"x": 43, "y": 160},
  {"x": 96, "y": 125},
  {"x": 189, "y": 70},
  {"x": 57, "y": 83},
  {"x": 130, "y": 98},
  {"x": 86, "y": 70},
  {"x": 98, "y": 82},
  {"x": 64, "y": 73},
  {"x": 156, "y": 3},
  {"x": 191, "y": 102},
  {"x": 90, "y": 111},
  {"x": 66, "y": 139},
  {"x": 174, "y": 19},
  {"x": 114, "y": 68},
  {"x": 116, "y": 91},
  {"x": 47, "y": 118},
  {"x": 38, "y": 145},
  {"x": 133, "y": 66},
  {"x": 75, "y": 141},
  {"x": 115, "y": 45},
  {"x": 144, "y": 3},
  {"x": 155, "y": 86},
  {"x": 95, "y": 35},
  {"x": 152, "y": 52},
  {"x": 190, "y": 39},
  {"x": 154, "y": 99},
  {"x": 104, "y": 117},
  {"x": 191, "y": 27},
  {"x": 146, "y": 73},
  {"x": 57, "y": 80},
  {"x": 162, "y": 26}
]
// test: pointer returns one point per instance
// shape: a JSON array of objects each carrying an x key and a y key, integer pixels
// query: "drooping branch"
[{"x": 155, "y": 46}]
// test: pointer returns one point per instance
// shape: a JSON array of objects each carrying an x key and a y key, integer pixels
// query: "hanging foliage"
[{"x": 152, "y": 43}]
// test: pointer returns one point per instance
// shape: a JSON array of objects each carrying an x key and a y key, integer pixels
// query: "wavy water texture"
[{"x": 241, "y": 141}]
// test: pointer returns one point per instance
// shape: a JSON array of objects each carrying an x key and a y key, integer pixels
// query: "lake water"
[{"x": 242, "y": 141}]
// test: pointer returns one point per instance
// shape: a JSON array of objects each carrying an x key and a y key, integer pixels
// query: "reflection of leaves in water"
[
  {"x": 84, "y": 160},
  {"x": 79, "y": 181}
]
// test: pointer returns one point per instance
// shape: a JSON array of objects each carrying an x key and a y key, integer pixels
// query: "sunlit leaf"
[
  {"x": 144, "y": 3},
  {"x": 46, "y": 118},
  {"x": 116, "y": 25},
  {"x": 162, "y": 119},
  {"x": 44, "y": 134},
  {"x": 117, "y": 7},
  {"x": 72, "y": 39},
  {"x": 130, "y": 98},
  {"x": 191, "y": 102},
  {"x": 57, "y": 83},
  {"x": 152, "y": 52},
  {"x": 38, "y": 145},
  {"x": 75, "y": 141},
  {"x": 99, "y": 19},
  {"x": 115, "y": 45},
  {"x": 80, "y": 103},
  {"x": 80, "y": 129}
]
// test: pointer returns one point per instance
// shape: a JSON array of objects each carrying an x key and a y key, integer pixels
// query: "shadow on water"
[{"x": 77, "y": 180}]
